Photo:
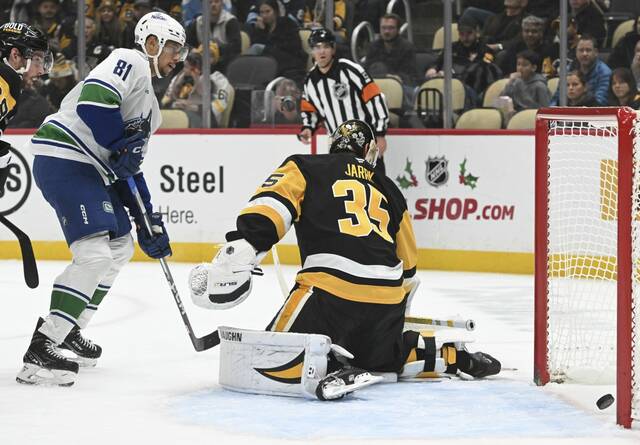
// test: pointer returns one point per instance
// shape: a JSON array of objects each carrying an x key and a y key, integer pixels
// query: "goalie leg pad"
[
  {"x": 272, "y": 363},
  {"x": 430, "y": 353}
]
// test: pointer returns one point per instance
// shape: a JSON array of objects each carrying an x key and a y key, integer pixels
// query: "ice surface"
[{"x": 151, "y": 387}]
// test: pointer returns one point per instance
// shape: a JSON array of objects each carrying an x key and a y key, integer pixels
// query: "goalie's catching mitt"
[{"x": 226, "y": 282}]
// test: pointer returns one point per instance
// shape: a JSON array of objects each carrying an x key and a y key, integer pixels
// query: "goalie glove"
[{"x": 226, "y": 282}]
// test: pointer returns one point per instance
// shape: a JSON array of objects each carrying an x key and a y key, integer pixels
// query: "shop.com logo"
[{"x": 18, "y": 185}]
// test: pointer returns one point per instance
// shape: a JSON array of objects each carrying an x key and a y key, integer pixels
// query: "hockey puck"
[{"x": 605, "y": 401}]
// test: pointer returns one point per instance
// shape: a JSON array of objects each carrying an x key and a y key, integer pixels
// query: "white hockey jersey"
[{"x": 116, "y": 99}]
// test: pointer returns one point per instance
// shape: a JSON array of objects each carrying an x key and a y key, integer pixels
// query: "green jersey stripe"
[
  {"x": 53, "y": 133},
  {"x": 98, "y": 94}
]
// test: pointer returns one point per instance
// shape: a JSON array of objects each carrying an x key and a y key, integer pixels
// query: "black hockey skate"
[
  {"x": 477, "y": 364},
  {"x": 87, "y": 353},
  {"x": 346, "y": 380},
  {"x": 44, "y": 365}
]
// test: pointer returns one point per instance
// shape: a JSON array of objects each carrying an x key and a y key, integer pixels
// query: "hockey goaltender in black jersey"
[
  {"x": 359, "y": 257},
  {"x": 356, "y": 245}
]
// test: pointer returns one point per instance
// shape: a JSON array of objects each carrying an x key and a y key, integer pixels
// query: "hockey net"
[{"x": 587, "y": 285}]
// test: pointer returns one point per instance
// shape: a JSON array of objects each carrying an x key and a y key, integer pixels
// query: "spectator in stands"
[
  {"x": 547, "y": 9},
  {"x": 62, "y": 79},
  {"x": 186, "y": 88},
  {"x": 527, "y": 88},
  {"x": 473, "y": 63},
  {"x": 502, "y": 30},
  {"x": 589, "y": 19},
  {"x": 532, "y": 38},
  {"x": 140, "y": 8},
  {"x": 225, "y": 43},
  {"x": 596, "y": 73},
  {"x": 47, "y": 20},
  {"x": 478, "y": 12},
  {"x": 595, "y": 70},
  {"x": 369, "y": 11},
  {"x": 391, "y": 53},
  {"x": 314, "y": 17},
  {"x": 624, "y": 89},
  {"x": 278, "y": 37},
  {"x": 578, "y": 92},
  {"x": 108, "y": 28},
  {"x": 635, "y": 63},
  {"x": 285, "y": 103},
  {"x": 572, "y": 43},
  {"x": 625, "y": 49},
  {"x": 70, "y": 49},
  {"x": 293, "y": 9},
  {"x": 175, "y": 11}
]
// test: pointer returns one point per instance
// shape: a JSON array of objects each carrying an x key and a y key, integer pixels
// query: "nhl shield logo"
[
  {"x": 437, "y": 173},
  {"x": 340, "y": 91}
]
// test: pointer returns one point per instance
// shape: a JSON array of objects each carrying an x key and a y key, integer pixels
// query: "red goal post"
[{"x": 586, "y": 250}]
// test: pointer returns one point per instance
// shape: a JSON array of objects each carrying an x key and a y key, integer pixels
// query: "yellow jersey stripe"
[
  {"x": 406, "y": 243},
  {"x": 291, "y": 307},
  {"x": 290, "y": 186},
  {"x": 362, "y": 293}
]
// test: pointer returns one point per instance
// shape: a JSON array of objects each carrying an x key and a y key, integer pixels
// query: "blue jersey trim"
[
  {"x": 64, "y": 316},
  {"x": 106, "y": 85},
  {"x": 86, "y": 149},
  {"x": 72, "y": 291},
  {"x": 56, "y": 144}
]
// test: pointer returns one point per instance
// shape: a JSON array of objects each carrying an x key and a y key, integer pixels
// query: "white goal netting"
[{"x": 582, "y": 253}]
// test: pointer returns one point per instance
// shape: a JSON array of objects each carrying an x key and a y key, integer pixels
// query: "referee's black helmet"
[
  {"x": 353, "y": 135},
  {"x": 321, "y": 35}
]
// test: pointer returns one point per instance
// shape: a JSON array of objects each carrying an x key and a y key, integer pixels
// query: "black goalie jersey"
[{"x": 353, "y": 228}]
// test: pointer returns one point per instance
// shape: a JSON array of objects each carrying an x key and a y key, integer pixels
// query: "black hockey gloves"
[{"x": 156, "y": 246}]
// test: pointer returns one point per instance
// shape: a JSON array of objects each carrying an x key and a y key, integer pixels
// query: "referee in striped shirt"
[{"x": 337, "y": 90}]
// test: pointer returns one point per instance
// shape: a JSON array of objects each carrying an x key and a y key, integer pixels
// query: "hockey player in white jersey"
[{"x": 83, "y": 155}]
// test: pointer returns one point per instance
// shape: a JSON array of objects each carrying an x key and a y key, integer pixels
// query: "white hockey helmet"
[{"x": 165, "y": 28}]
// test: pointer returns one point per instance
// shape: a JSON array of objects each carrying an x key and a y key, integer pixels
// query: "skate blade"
[
  {"x": 84, "y": 362},
  {"x": 31, "y": 374},
  {"x": 333, "y": 392}
]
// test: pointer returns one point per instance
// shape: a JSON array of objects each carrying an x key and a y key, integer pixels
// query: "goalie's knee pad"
[
  {"x": 226, "y": 282},
  {"x": 273, "y": 363}
]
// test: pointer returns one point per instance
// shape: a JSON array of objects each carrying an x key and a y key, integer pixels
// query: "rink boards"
[{"x": 470, "y": 193}]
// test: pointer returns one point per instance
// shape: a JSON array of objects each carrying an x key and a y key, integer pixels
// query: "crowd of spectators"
[{"x": 514, "y": 40}]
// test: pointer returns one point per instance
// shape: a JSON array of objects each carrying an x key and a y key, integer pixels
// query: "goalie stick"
[
  {"x": 199, "y": 343},
  {"x": 29, "y": 265}
]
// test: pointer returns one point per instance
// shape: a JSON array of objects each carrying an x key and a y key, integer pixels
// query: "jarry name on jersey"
[{"x": 359, "y": 171}]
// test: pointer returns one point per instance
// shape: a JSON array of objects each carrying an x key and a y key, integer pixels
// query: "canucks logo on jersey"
[{"x": 139, "y": 124}]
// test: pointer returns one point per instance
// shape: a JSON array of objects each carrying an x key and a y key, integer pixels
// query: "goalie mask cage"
[{"x": 587, "y": 251}]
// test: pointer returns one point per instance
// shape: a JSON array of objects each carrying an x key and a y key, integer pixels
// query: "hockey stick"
[
  {"x": 469, "y": 324},
  {"x": 199, "y": 343},
  {"x": 29, "y": 266},
  {"x": 276, "y": 264}
]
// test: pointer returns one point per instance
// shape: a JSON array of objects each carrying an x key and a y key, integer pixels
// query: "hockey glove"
[
  {"x": 156, "y": 246},
  {"x": 226, "y": 282},
  {"x": 128, "y": 155}
]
